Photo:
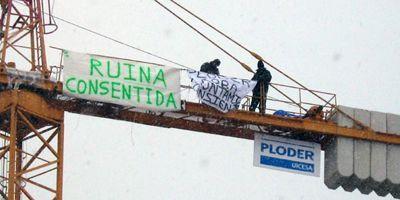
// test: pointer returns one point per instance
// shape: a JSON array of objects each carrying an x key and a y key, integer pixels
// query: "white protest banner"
[
  {"x": 220, "y": 92},
  {"x": 123, "y": 82},
  {"x": 285, "y": 154}
]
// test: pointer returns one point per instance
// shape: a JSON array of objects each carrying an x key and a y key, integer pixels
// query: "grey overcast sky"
[{"x": 351, "y": 48}]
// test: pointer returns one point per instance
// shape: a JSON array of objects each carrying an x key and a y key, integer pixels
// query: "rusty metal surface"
[
  {"x": 237, "y": 120},
  {"x": 159, "y": 120},
  {"x": 306, "y": 125},
  {"x": 32, "y": 103},
  {"x": 28, "y": 113},
  {"x": 24, "y": 20},
  {"x": 43, "y": 84},
  {"x": 199, "y": 126},
  {"x": 5, "y": 104},
  {"x": 202, "y": 111},
  {"x": 34, "y": 110}
]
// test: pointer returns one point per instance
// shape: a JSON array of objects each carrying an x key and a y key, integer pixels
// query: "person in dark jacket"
[
  {"x": 263, "y": 78},
  {"x": 211, "y": 67},
  {"x": 315, "y": 112}
]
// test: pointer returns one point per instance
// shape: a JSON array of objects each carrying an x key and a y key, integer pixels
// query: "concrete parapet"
[{"x": 360, "y": 164}]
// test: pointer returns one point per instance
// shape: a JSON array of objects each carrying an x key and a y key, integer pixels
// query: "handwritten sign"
[
  {"x": 123, "y": 82},
  {"x": 220, "y": 92}
]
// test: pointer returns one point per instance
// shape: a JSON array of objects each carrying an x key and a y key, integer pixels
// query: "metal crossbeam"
[
  {"x": 48, "y": 111},
  {"x": 31, "y": 113}
]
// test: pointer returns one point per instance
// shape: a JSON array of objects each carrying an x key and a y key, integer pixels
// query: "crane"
[{"x": 32, "y": 109}]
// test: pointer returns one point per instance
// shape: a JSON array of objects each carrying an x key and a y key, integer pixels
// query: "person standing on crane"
[
  {"x": 263, "y": 78},
  {"x": 315, "y": 112},
  {"x": 211, "y": 67}
]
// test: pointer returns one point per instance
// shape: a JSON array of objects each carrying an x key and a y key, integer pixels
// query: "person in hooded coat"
[
  {"x": 211, "y": 67},
  {"x": 263, "y": 78},
  {"x": 315, "y": 112}
]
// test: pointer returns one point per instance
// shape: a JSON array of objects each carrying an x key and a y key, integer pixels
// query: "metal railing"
[
  {"x": 299, "y": 99},
  {"x": 292, "y": 99}
]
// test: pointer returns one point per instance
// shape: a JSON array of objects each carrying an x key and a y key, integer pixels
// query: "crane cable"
[
  {"x": 213, "y": 27},
  {"x": 258, "y": 57},
  {"x": 117, "y": 41},
  {"x": 241, "y": 63},
  {"x": 207, "y": 38}
]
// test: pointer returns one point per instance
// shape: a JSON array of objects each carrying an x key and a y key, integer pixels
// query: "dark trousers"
[
  {"x": 259, "y": 99},
  {"x": 255, "y": 100}
]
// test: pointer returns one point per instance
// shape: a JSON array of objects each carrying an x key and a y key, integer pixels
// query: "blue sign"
[{"x": 286, "y": 154}]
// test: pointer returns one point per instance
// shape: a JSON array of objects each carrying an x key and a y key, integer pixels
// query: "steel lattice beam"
[{"x": 30, "y": 111}]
